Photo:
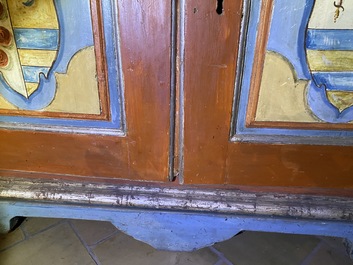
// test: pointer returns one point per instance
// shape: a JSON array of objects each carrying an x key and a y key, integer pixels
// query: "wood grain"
[
  {"x": 210, "y": 157},
  {"x": 143, "y": 153},
  {"x": 210, "y": 61}
]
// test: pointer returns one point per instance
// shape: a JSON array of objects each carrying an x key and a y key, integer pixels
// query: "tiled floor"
[{"x": 60, "y": 241}]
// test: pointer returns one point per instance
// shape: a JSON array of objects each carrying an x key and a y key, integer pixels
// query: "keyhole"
[{"x": 219, "y": 8}]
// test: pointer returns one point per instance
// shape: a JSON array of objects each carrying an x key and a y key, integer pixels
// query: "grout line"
[
  {"x": 347, "y": 243},
  {"x": 309, "y": 257},
  {"x": 219, "y": 262},
  {"x": 16, "y": 243},
  {"x": 11, "y": 246},
  {"x": 28, "y": 236},
  {"x": 339, "y": 249},
  {"x": 89, "y": 250},
  {"x": 104, "y": 239},
  {"x": 23, "y": 232},
  {"x": 221, "y": 256}
]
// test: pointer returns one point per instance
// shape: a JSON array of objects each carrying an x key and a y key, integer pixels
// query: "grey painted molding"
[{"x": 182, "y": 198}]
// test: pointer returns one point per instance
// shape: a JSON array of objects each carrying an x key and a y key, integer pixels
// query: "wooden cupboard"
[{"x": 212, "y": 106}]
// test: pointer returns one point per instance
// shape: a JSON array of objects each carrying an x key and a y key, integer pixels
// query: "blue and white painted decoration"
[{"x": 329, "y": 46}]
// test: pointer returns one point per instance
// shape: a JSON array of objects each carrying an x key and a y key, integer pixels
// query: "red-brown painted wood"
[
  {"x": 143, "y": 153},
  {"x": 210, "y": 157}
]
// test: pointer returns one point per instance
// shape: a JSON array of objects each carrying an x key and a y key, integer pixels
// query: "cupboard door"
[
  {"x": 85, "y": 88},
  {"x": 266, "y": 93}
]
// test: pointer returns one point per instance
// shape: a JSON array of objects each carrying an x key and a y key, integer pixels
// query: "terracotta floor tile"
[
  {"x": 57, "y": 246},
  {"x": 123, "y": 249},
  {"x": 10, "y": 239},
  {"x": 250, "y": 248},
  {"x": 34, "y": 225},
  {"x": 326, "y": 255},
  {"x": 334, "y": 242},
  {"x": 221, "y": 263},
  {"x": 93, "y": 231}
]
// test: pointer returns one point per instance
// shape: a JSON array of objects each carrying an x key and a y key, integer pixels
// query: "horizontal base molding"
[
  {"x": 182, "y": 219},
  {"x": 190, "y": 199}
]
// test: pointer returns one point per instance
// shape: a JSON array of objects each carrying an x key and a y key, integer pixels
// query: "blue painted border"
[
  {"x": 298, "y": 8},
  {"x": 70, "y": 43},
  {"x": 175, "y": 230}
]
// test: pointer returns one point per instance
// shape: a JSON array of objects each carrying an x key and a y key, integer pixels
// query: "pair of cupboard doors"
[{"x": 192, "y": 91}]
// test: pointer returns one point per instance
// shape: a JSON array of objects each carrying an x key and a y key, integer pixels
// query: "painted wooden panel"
[
  {"x": 208, "y": 66},
  {"x": 55, "y": 66},
  {"x": 297, "y": 73},
  {"x": 102, "y": 109},
  {"x": 216, "y": 75}
]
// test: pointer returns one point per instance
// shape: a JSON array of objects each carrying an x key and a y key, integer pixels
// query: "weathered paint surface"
[
  {"x": 180, "y": 199},
  {"x": 181, "y": 218},
  {"x": 298, "y": 30},
  {"x": 175, "y": 231},
  {"x": 50, "y": 57}
]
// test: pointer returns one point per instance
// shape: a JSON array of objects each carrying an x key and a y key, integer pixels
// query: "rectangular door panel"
[
  {"x": 238, "y": 128},
  {"x": 208, "y": 74},
  {"x": 85, "y": 93}
]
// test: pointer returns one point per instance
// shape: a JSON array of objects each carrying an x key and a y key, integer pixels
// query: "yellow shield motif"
[{"x": 29, "y": 42}]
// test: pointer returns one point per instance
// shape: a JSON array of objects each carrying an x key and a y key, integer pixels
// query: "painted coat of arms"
[
  {"x": 29, "y": 44},
  {"x": 54, "y": 60},
  {"x": 296, "y": 72},
  {"x": 47, "y": 57},
  {"x": 307, "y": 73},
  {"x": 329, "y": 46}
]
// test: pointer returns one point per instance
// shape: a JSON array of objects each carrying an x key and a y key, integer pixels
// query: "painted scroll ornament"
[{"x": 329, "y": 54}]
